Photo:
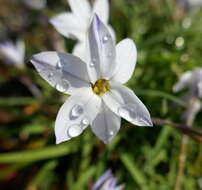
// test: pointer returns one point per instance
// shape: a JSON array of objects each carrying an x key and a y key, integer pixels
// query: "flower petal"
[
  {"x": 126, "y": 55},
  {"x": 102, "y": 179},
  {"x": 35, "y": 4},
  {"x": 13, "y": 53},
  {"x": 106, "y": 124},
  {"x": 122, "y": 101},
  {"x": 81, "y": 9},
  {"x": 112, "y": 32},
  {"x": 76, "y": 114},
  {"x": 102, "y": 51},
  {"x": 101, "y": 8},
  {"x": 64, "y": 71},
  {"x": 183, "y": 82},
  {"x": 199, "y": 85},
  {"x": 80, "y": 51},
  {"x": 69, "y": 26}
]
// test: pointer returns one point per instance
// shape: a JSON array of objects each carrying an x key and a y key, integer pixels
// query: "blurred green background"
[{"x": 169, "y": 42}]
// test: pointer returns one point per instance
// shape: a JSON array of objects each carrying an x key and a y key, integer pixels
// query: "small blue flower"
[{"x": 107, "y": 182}]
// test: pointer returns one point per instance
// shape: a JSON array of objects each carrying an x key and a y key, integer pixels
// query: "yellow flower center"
[{"x": 101, "y": 86}]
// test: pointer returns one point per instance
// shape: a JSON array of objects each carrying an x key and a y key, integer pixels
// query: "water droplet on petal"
[
  {"x": 105, "y": 38},
  {"x": 74, "y": 130},
  {"x": 76, "y": 111},
  {"x": 63, "y": 86},
  {"x": 92, "y": 64},
  {"x": 58, "y": 65},
  {"x": 127, "y": 112},
  {"x": 85, "y": 122},
  {"x": 50, "y": 75},
  {"x": 111, "y": 133}
]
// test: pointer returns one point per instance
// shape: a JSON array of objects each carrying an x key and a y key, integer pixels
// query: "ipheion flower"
[
  {"x": 107, "y": 182},
  {"x": 192, "y": 80},
  {"x": 98, "y": 97},
  {"x": 75, "y": 24}
]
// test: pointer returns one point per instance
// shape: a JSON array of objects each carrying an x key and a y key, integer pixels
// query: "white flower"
[
  {"x": 13, "y": 53},
  {"x": 98, "y": 97},
  {"x": 75, "y": 24},
  {"x": 35, "y": 4},
  {"x": 191, "y": 80}
]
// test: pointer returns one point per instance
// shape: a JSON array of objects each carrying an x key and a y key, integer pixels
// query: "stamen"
[{"x": 101, "y": 86}]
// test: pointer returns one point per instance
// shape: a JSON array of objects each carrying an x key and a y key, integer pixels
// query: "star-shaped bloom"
[
  {"x": 13, "y": 53},
  {"x": 98, "y": 97},
  {"x": 191, "y": 80},
  {"x": 107, "y": 182},
  {"x": 75, "y": 24}
]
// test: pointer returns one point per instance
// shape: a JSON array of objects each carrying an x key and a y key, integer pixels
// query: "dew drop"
[
  {"x": 105, "y": 38},
  {"x": 58, "y": 65},
  {"x": 127, "y": 112},
  {"x": 74, "y": 130},
  {"x": 63, "y": 86},
  {"x": 50, "y": 75},
  {"x": 124, "y": 112},
  {"x": 85, "y": 121},
  {"x": 92, "y": 64},
  {"x": 111, "y": 133},
  {"x": 76, "y": 111}
]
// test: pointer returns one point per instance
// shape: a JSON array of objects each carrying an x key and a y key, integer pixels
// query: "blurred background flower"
[{"x": 107, "y": 182}]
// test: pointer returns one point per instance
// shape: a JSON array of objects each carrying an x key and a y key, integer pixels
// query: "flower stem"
[{"x": 189, "y": 115}]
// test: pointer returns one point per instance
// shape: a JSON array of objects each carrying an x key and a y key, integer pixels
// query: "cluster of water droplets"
[
  {"x": 105, "y": 39},
  {"x": 62, "y": 84},
  {"x": 75, "y": 113}
]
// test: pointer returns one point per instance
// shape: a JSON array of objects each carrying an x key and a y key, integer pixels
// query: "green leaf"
[
  {"x": 135, "y": 172},
  {"x": 39, "y": 154}
]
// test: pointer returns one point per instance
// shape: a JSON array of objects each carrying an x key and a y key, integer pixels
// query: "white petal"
[
  {"x": 101, "y": 8},
  {"x": 64, "y": 71},
  {"x": 36, "y": 4},
  {"x": 76, "y": 114},
  {"x": 106, "y": 124},
  {"x": 122, "y": 101},
  {"x": 12, "y": 53},
  {"x": 183, "y": 82},
  {"x": 80, "y": 50},
  {"x": 102, "y": 51},
  {"x": 199, "y": 85},
  {"x": 69, "y": 26},
  {"x": 20, "y": 45},
  {"x": 81, "y": 9},
  {"x": 126, "y": 55}
]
